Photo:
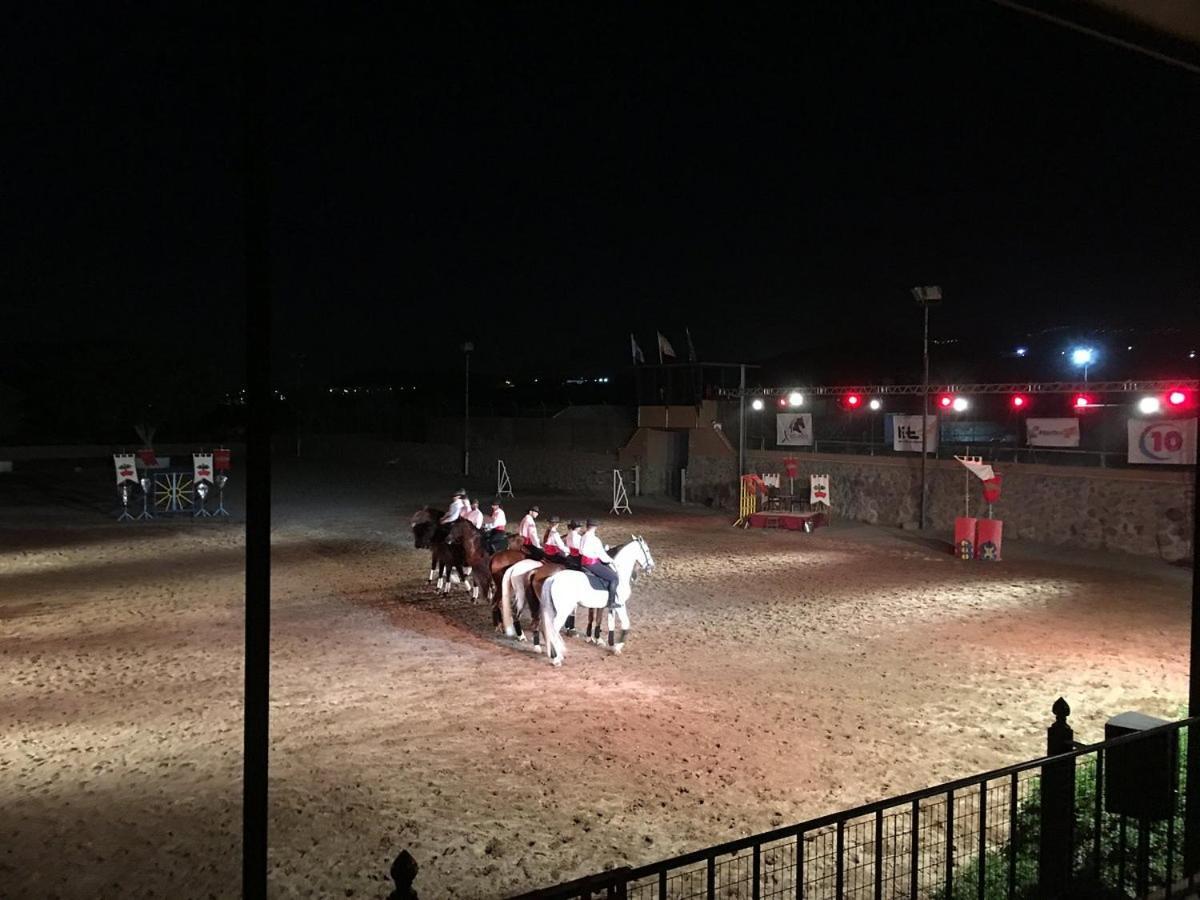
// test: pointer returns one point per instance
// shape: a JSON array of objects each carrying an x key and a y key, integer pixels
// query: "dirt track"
[{"x": 770, "y": 677}]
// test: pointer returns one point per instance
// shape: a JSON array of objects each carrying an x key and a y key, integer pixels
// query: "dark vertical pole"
[
  {"x": 1191, "y": 822},
  {"x": 1057, "y": 837},
  {"x": 742, "y": 431},
  {"x": 467, "y": 415},
  {"x": 258, "y": 460},
  {"x": 924, "y": 409}
]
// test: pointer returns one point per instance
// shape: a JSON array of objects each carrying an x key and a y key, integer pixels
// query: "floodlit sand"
[{"x": 770, "y": 677}]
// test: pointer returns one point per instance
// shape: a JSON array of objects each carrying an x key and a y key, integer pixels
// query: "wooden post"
[{"x": 1057, "y": 812}]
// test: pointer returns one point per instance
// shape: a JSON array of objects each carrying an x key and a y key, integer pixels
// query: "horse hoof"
[
  {"x": 556, "y": 662},
  {"x": 510, "y": 632},
  {"x": 521, "y": 638},
  {"x": 618, "y": 648}
]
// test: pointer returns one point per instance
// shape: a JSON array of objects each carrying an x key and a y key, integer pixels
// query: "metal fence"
[{"x": 1038, "y": 829}]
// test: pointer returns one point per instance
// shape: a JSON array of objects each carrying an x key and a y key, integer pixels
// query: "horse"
[
  {"x": 430, "y": 532},
  {"x": 465, "y": 535},
  {"x": 520, "y": 586},
  {"x": 564, "y": 590}
]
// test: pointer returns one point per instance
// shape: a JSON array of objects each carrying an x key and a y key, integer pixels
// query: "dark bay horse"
[
  {"x": 475, "y": 555},
  {"x": 429, "y": 533}
]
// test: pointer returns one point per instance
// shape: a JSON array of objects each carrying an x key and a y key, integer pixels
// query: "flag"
[
  {"x": 638, "y": 356},
  {"x": 691, "y": 346},
  {"x": 664, "y": 347},
  {"x": 126, "y": 468},
  {"x": 202, "y": 467}
]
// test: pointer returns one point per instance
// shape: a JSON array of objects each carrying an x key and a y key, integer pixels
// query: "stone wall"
[{"x": 1136, "y": 511}]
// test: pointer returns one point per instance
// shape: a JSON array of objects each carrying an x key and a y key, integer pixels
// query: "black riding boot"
[{"x": 612, "y": 596}]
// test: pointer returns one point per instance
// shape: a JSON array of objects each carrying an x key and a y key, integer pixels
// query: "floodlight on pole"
[
  {"x": 1084, "y": 357},
  {"x": 756, "y": 404},
  {"x": 795, "y": 398},
  {"x": 875, "y": 405},
  {"x": 1148, "y": 406}
]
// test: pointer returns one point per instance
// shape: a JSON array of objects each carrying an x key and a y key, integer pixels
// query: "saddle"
[{"x": 596, "y": 583}]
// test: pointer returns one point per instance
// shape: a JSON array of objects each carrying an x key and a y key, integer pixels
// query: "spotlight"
[
  {"x": 945, "y": 401},
  {"x": 853, "y": 401},
  {"x": 1021, "y": 351},
  {"x": 1083, "y": 356},
  {"x": 1019, "y": 401},
  {"x": 960, "y": 404},
  {"x": 1081, "y": 401},
  {"x": 1176, "y": 397},
  {"x": 1148, "y": 406},
  {"x": 795, "y": 398},
  {"x": 756, "y": 404},
  {"x": 875, "y": 405}
]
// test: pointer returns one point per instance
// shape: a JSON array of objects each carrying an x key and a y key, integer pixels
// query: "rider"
[
  {"x": 574, "y": 538},
  {"x": 553, "y": 541},
  {"x": 474, "y": 515},
  {"x": 598, "y": 562},
  {"x": 458, "y": 506},
  {"x": 494, "y": 525},
  {"x": 528, "y": 529}
]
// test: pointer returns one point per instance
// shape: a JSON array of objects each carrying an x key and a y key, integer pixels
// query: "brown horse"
[
  {"x": 474, "y": 552},
  {"x": 429, "y": 532}
]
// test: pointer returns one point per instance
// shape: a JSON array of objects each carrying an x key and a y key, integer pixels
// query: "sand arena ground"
[{"x": 770, "y": 677}]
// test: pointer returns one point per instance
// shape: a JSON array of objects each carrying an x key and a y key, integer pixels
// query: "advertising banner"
[
  {"x": 1052, "y": 432},
  {"x": 906, "y": 434},
  {"x": 793, "y": 429},
  {"x": 1162, "y": 441}
]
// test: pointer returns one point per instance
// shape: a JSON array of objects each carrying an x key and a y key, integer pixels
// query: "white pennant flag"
[
  {"x": 126, "y": 470},
  {"x": 819, "y": 489},
  {"x": 664, "y": 347},
  {"x": 202, "y": 465}
]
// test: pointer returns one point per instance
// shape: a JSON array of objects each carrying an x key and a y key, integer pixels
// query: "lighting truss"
[{"x": 998, "y": 387}]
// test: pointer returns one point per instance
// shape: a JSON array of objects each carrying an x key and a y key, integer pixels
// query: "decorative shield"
[
  {"x": 987, "y": 550},
  {"x": 790, "y": 466},
  {"x": 966, "y": 550},
  {"x": 991, "y": 489}
]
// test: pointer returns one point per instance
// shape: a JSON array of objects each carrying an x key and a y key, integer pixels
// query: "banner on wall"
[
  {"x": 906, "y": 434},
  {"x": 1052, "y": 432},
  {"x": 818, "y": 489},
  {"x": 1162, "y": 441},
  {"x": 793, "y": 429},
  {"x": 126, "y": 469},
  {"x": 202, "y": 464}
]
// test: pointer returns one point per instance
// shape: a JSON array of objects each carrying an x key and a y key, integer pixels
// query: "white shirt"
[
  {"x": 475, "y": 517},
  {"x": 593, "y": 547},
  {"x": 554, "y": 539},
  {"x": 529, "y": 530},
  {"x": 457, "y": 507},
  {"x": 496, "y": 520},
  {"x": 574, "y": 539}
]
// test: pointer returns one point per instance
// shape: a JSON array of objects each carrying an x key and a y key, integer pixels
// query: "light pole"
[
  {"x": 1083, "y": 356},
  {"x": 466, "y": 349},
  {"x": 925, "y": 296}
]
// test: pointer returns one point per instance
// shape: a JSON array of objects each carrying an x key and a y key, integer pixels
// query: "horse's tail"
[{"x": 506, "y": 590}]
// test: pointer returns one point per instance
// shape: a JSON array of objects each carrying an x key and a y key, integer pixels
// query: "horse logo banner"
[
  {"x": 819, "y": 489},
  {"x": 1052, "y": 432},
  {"x": 202, "y": 463},
  {"x": 793, "y": 429},
  {"x": 1162, "y": 441},
  {"x": 906, "y": 434},
  {"x": 126, "y": 469}
]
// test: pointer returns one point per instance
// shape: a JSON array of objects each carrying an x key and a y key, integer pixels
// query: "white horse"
[
  {"x": 515, "y": 589},
  {"x": 565, "y": 590}
]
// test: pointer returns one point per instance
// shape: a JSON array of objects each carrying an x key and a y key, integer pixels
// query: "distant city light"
[
  {"x": 1083, "y": 356},
  {"x": 1148, "y": 406},
  {"x": 1191, "y": 354},
  {"x": 1021, "y": 351},
  {"x": 960, "y": 404},
  {"x": 756, "y": 404},
  {"x": 795, "y": 398},
  {"x": 875, "y": 405},
  {"x": 1130, "y": 347}
]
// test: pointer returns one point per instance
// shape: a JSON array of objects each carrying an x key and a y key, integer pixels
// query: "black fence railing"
[{"x": 1057, "y": 826}]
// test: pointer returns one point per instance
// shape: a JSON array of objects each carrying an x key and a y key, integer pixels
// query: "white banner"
[
  {"x": 126, "y": 469},
  {"x": 818, "y": 489},
  {"x": 906, "y": 434},
  {"x": 1052, "y": 432},
  {"x": 1162, "y": 441},
  {"x": 793, "y": 429},
  {"x": 202, "y": 467}
]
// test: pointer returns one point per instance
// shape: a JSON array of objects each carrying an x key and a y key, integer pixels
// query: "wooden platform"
[{"x": 792, "y": 521}]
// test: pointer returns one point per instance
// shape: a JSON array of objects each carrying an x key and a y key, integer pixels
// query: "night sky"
[{"x": 545, "y": 178}]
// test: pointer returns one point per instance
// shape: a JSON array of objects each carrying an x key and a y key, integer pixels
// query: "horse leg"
[
  {"x": 623, "y": 617},
  {"x": 551, "y": 622}
]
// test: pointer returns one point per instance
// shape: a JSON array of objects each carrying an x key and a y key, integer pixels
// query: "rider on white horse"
[{"x": 597, "y": 561}]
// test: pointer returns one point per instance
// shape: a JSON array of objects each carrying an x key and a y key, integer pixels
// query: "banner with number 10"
[{"x": 1162, "y": 441}]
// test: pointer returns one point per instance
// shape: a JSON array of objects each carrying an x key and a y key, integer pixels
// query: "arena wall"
[{"x": 1136, "y": 511}]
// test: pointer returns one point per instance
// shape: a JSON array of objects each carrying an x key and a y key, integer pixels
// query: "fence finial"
[{"x": 1061, "y": 710}]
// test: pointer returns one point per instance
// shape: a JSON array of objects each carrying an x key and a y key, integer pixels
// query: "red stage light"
[
  {"x": 853, "y": 401},
  {"x": 1082, "y": 401},
  {"x": 1177, "y": 397},
  {"x": 945, "y": 401},
  {"x": 782, "y": 402},
  {"x": 1019, "y": 401}
]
